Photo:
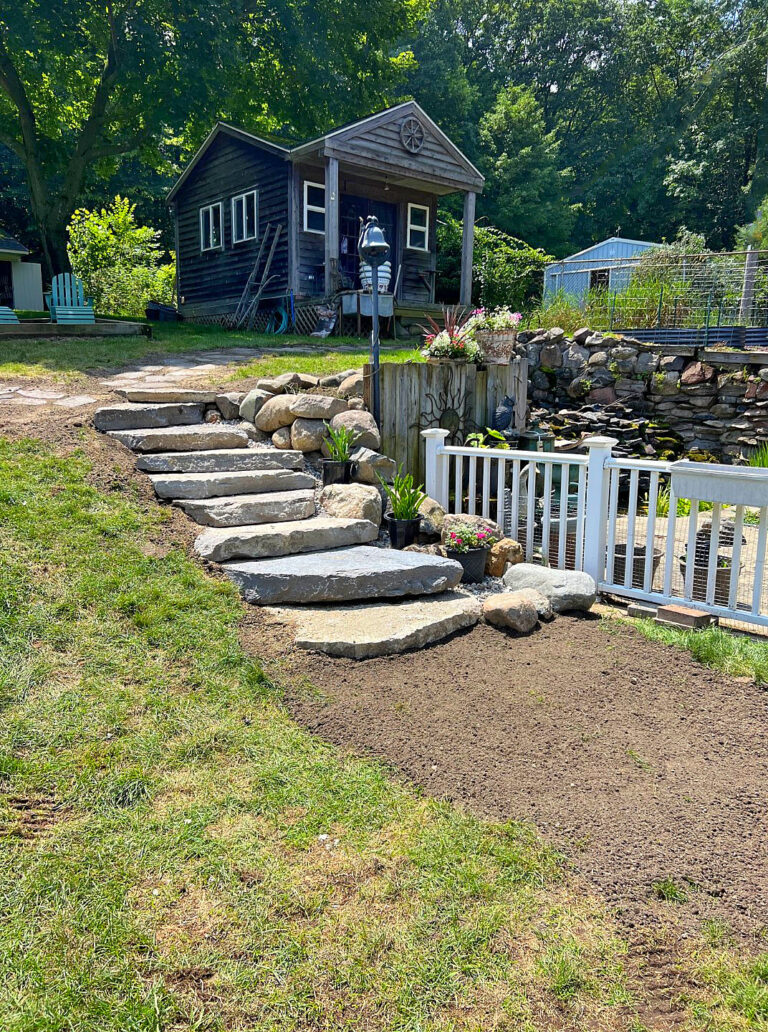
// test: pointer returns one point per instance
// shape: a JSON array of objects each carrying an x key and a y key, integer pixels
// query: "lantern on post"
[{"x": 373, "y": 249}]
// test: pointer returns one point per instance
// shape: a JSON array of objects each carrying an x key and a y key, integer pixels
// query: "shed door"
[
  {"x": 6, "y": 285},
  {"x": 351, "y": 210}
]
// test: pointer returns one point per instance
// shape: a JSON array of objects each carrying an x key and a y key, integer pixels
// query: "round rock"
[
  {"x": 353, "y": 501},
  {"x": 317, "y": 406},
  {"x": 363, "y": 425},
  {"x": 276, "y": 412},
  {"x": 307, "y": 434},
  {"x": 513, "y": 611}
]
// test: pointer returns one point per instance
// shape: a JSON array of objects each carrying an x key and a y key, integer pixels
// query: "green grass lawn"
[
  {"x": 178, "y": 854},
  {"x": 67, "y": 357}
]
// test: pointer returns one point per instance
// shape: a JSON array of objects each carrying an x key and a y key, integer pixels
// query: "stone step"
[
  {"x": 290, "y": 538},
  {"x": 239, "y": 482},
  {"x": 245, "y": 510},
  {"x": 141, "y": 417},
  {"x": 204, "y": 437},
  {"x": 379, "y": 628},
  {"x": 167, "y": 395},
  {"x": 342, "y": 575},
  {"x": 221, "y": 460}
]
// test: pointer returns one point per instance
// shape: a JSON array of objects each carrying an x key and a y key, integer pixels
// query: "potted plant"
[
  {"x": 405, "y": 498},
  {"x": 468, "y": 547},
  {"x": 338, "y": 468},
  {"x": 454, "y": 341},
  {"x": 495, "y": 330}
]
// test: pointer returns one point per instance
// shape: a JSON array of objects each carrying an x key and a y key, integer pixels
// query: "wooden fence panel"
[{"x": 458, "y": 397}]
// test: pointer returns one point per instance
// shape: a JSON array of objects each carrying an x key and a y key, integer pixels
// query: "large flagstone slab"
[
  {"x": 238, "y": 482},
  {"x": 290, "y": 538},
  {"x": 343, "y": 575},
  {"x": 203, "y": 437},
  {"x": 219, "y": 460},
  {"x": 132, "y": 417}
]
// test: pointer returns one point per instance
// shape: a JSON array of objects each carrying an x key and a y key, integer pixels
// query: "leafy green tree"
[
  {"x": 85, "y": 83},
  {"x": 525, "y": 191}
]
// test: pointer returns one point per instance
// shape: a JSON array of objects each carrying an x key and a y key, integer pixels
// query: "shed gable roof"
[{"x": 371, "y": 141}]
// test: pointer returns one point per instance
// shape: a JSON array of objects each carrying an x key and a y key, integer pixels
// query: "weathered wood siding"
[
  {"x": 459, "y": 397},
  {"x": 212, "y": 281},
  {"x": 417, "y": 279},
  {"x": 380, "y": 143}
]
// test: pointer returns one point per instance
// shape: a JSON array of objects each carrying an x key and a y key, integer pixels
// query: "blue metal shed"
[{"x": 608, "y": 264}]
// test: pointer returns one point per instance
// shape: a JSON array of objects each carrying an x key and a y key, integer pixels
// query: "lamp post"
[{"x": 374, "y": 250}]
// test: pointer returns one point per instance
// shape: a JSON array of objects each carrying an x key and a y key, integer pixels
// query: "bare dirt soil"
[{"x": 638, "y": 762}]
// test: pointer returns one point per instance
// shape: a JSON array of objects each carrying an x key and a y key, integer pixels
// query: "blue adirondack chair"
[
  {"x": 67, "y": 301},
  {"x": 7, "y": 315}
]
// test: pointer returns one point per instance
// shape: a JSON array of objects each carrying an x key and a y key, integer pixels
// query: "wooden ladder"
[{"x": 250, "y": 299}]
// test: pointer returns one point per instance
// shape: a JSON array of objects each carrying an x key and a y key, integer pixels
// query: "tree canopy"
[{"x": 589, "y": 117}]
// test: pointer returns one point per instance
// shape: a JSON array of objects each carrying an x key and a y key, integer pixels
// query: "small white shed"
[
  {"x": 608, "y": 264},
  {"x": 21, "y": 282}
]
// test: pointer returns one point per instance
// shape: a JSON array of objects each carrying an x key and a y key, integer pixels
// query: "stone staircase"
[{"x": 259, "y": 507}]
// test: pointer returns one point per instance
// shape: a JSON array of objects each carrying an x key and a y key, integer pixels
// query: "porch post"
[
  {"x": 436, "y": 479},
  {"x": 331, "y": 225},
  {"x": 467, "y": 248},
  {"x": 596, "y": 508}
]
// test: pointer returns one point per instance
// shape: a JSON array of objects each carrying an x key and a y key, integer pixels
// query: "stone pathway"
[
  {"x": 34, "y": 397},
  {"x": 259, "y": 505}
]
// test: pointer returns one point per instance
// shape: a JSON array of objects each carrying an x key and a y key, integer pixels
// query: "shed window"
[
  {"x": 418, "y": 227},
  {"x": 211, "y": 227},
  {"x": 599, "y": 279},
  {"x": 245, "y": 217},
  {"x": 314, "y": 208}
]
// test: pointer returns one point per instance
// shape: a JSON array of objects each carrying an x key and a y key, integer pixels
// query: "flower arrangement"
[
  {"x": 494, "y": 320},
  {"x": 456, "y": 339},
  {"x": 465, "y": 539}
]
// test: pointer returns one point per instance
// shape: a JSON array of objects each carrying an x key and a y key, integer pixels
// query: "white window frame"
[
  {"x": 313, "y": 207},
  {"x": 420, "y": 229},
  {"x": 209, "y": 208},
  {"x": 243, "y": 197}
]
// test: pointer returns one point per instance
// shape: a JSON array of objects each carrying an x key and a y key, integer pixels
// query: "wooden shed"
[{"x": 395, "y": 164}]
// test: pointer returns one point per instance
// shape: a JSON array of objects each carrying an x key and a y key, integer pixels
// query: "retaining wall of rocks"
[{"x": 666, "y": 400}]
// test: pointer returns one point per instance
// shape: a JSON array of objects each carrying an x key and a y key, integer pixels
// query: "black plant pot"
[
  {"x": 402, "y": 532},
  {"x": 473, "y": 562},
  {"x": 338, "y": 472}
]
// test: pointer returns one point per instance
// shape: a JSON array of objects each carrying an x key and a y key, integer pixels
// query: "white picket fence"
[{"x": 632, "y": 524}]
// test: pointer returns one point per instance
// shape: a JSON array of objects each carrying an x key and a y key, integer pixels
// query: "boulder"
[
  {"x": 332, "y": 381},
  {"x": 556, "y": 335},
  {"x": 598, "y": 358},
  {"x": 426, "y": 549},
  {"x": 229, "y": 404},
  {"x": 371, "y": 465},
  {"x": 252, "y": 403},
  {"x": 281, "y": 438},
  {"x": 603, "y": 395},
  {"x": 352, "y": 501},
  {"x": 432, "y": 517},
  {"x": 317, "y": 406},
  {"x": 565, "y": 589},
  {"x": 307, "y": 434},
  {"x": 270, "y": 385},
  {"x": 357, "y": 403},
  {"x": 250, "y": 431},
  {"x": 582, "y": 336},
  {"x": 575, "y": 357},
  {"x": 512, "y": 610},
  {"x": 647, "y": 362},
  {"x": 696, "y": 373},
  {"x": 275, "y": 412},
  {"x": 540, "y": 603},
  {"x": 352, "y": 386},
  {"x": 505, "y": 551},
  {"x": 363, "y": 425},
  {"x": 307, "y": 381},
  {"x": 551, "y": 356}
]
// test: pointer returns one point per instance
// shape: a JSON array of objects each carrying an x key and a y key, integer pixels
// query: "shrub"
[
  {"x": 118, "y": 260},
  {"x": 506, "y": 271}
]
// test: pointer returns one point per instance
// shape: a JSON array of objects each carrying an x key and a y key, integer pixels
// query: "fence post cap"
[
  {"x": 435, "y": 431},
  {"x": 600, "y": 442}
]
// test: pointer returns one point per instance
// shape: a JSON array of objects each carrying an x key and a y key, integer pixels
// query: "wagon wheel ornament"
[{"x": 412, "y": 135}]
